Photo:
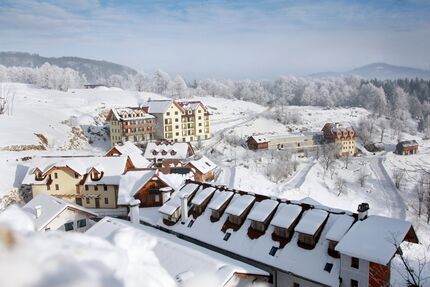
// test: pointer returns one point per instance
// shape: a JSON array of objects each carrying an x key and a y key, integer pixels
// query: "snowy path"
[
  {"x": 395, "y": 202},
  {"x": 299, "y": 178},
  {"x": 227, "y": 176}
]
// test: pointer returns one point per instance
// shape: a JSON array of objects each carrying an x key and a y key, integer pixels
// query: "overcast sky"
[{"x": 223, "y": 39}]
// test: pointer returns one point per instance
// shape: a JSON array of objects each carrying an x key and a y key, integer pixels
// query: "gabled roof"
[
  {"x": 168, "y": 150},
  {"x": 203, "y": 164},
  {"x": 131, "y": 182},
  {"x": 51, "y": 207},
  {"x": 220, "y": 198},
  {"x": 311, "y": 221},
  {"x": 132, "y": 113},
  {"x": 159, "y": 106},
  {"x": 409, "y": 143},
  {"x": 175, "y": 201},
  {"x": 202, "y": 195},
  {"x": 191, "y": 105},
  {"x": 375, "y": 238},
  {"x": 187, "y": 263},
  {"x": 134, "y": 152},
  {"x": 286, "y": 215},
  {"x": 339, "y": 228},
  {"x": 239, "y": 204},
  {"x": 259, "y": 138}
]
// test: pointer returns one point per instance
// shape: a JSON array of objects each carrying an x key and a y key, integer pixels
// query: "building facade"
[{"x": 343, "y": 135}]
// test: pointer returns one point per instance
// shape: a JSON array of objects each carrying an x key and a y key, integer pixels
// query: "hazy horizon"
[{"x": 223, "y": 39}]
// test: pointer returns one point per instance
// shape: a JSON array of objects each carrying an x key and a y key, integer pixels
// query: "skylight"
[
  {"x": 227, "y": 236},
  {"x": 273, "y": 250}
]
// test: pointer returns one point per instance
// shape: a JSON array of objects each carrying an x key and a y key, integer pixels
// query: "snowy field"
[{"x": 73, "y": 123}]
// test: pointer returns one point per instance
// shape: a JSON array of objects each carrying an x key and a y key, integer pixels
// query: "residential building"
[
  {"x": 195, "y": 121},
  {"x": 131, "y": 124},
  {"x": 341, "y": 134},
  {"x": 157, "y": 152},
  {"x": 52, "y": 213},
  {"x": 300, "y": 243},
  {"x": 188, "y": 264},
  {"x": 295, "y": 142},
  {"x": 407, "y": 147},
  {"x": 203, "y": 168},
  {"x": 132, "y": 151}
]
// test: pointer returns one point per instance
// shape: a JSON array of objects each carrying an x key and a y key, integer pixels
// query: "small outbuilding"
[{"x": 407, "y": 147}]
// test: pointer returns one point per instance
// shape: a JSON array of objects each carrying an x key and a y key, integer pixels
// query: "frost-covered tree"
[{"x": 160, "y": 82}]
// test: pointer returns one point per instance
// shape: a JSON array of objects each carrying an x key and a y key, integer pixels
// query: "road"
[
  {"x": 299, "y": 177},
  {"x": 395, "y": 202}
]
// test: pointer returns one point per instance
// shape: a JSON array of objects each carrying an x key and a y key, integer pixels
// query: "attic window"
[
  {"x": 191, "y": 223},
  {"x": 273, "y": 250},
  {"x": 227, "y": 236},
  {"x": 328, "y": 267}
]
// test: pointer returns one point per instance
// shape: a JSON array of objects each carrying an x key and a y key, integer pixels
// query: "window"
[
  {"x": 157, "y": 198},
  {"x": 177, "y": 134},
  {"x": 76, "y": 175},
  {"x": 106, "y": 200},
  {"x": 55, "y": 175},
  {"x": 168, "y": 114},
  {"x": 273, "y": 250},
  {"x": 48, "y": 187},
  {"x": 176, "y": 120},
  {"x": 296, "y": 284},
  {"x": 176, "y": 127},
  {"x": 68, "y": 226},
  {"x": 176, "y": 113},
  {"x": 354, "y": 262},
  {"x": 86, "y": 187},
  {"x": 354, "y": 283},
  {"x": 328, "y": 267},
  {"x": 227, "y": 236},
  {"x": 191, "y": 223},
  {"x": 82, "y": 223},
  {"x": 87, "y": 200},
  {"x": 57, "y": 187},
  {"x": 105, "y": 187},
  {"x": 96, "y": 187}
]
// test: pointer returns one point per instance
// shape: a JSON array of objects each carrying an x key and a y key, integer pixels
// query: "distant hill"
[
  {"x": 380, "y": 71},
  {"x": 386, "y": 71},
  {"x": 93, "y": 70}
]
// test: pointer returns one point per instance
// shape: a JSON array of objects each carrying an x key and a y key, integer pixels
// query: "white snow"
[
  {"x": 203, "y": 164},
  {"x": 135, "y": 154},
  {"x": 50, "y": 208},
  {"x": 202, "y": 195},
  {"x": 219, "y": 198},
  {"x": 339, "y": 228},
  {"x": 239, "y": 204},
  {"x": 261, "y": 210},
  {"x": 311, "y": 221},
  {"x": 131, "y": 182},
  {"x": 374, "y": 238},
  {"x": 157, "y": 106},
  {"x": 286, "y": 215}
]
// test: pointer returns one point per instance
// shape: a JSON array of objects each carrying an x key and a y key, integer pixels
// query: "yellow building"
[
  {"x": 195, "y": 121},
  {"x": 342, "y": 135}
]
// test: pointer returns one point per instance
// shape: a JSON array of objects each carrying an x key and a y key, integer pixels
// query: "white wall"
[
  {"x": 347, "y": 272},
  {"x": 69, "y": 215},
  {"x": 288, "y": 280}
]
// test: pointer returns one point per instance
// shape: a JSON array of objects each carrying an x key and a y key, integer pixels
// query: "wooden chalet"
[{"x": 407, "y": 147}]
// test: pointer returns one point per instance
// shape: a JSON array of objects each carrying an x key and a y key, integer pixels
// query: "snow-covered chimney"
[
  {"x": 184, "y": 208},
  {"x": 38, "y": 209},
  {"x": 134, "y": 211},
  {"x": 363, "y": 208},
  {"x": 336, "y": 125}
]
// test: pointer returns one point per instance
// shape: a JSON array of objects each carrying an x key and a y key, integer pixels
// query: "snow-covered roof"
[
  {"x": 202, "y": 195},
  {"x": 203, "y": 164},
  {"x": 260, "y": 138},
  {"x": 188, "y": 263},
  {"x": 169, "y": 207},
  {"x": 112, "y": 167},
  {"x": 409, "y": 143},
  {"x": 158, "y": 106},
  {"x": 175, "y": 201},
  {"x": 50, "y": 208},
  {"x": 339, "y": 228},
  {"x": 190, "y": 105},
  {"x": 262, "y": 210},
  {"x": 239, "y": 204},
  {"x": 168, "y": 150},
  {"x": 219, "y": 198},
  {"x": 311, "y": 221},
  {"x": 374, "y": 238},
  {"x": 131, "y": 114},
  {"x": 135, "y": 154},
  {"x": 131, "y": 182},
  {"x": 285, "y": 215}
]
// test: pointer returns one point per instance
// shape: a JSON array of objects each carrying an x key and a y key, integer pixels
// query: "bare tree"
[
  {"x": 7, "y": 98},
  {"x": 340, "y": 185},
  {"x": 362, "y": 176},
  {"x": 398, "y": 175},
  {"x": 427, "y": 203},
  {"x": 328, "y": 155},
  {"x": 346, "y": 159}
]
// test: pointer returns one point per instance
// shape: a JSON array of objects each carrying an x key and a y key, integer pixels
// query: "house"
[
  {"x": 188, "y": 264},
  {"x": 195, "y": 121},
  {"x": 89, "y": 181},
  {"x": 407, "y": 147},
  {"x": 203, "y": 168},
  {"x": 144, "y": 185},
  {"x": 299, "y": 243},
  {"x": 156, "y": 152},
  {"x": 131, "y": 124},
  {"x": 341, "y": 134},
  {"x": 52, "y": 213},
  {"x": 294, "y": 142},
  {"x": 133, "y": 152}
]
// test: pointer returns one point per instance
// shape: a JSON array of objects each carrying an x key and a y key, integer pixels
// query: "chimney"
[
  {"x": 363, "y": 208},
  {"x": 184, "y": 208},
  {"x": 336, "y": 125},
  {"x": 134, "y": 211},
  {"x": 38, "y": 209}
]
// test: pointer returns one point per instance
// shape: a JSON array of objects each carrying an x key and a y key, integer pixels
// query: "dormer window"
[{"x": 38, "y": 175}]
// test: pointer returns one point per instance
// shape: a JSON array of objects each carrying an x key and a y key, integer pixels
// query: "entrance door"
[{"x": 97, "y": 202}]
